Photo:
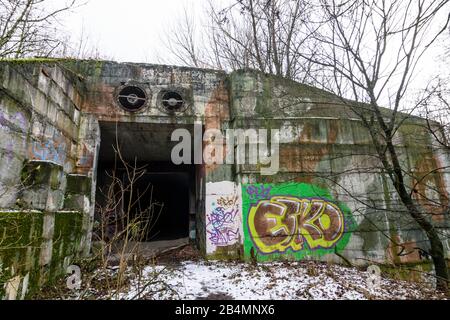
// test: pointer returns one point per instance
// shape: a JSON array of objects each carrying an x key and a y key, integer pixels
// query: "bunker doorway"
[{"x": 140, "y": 191}]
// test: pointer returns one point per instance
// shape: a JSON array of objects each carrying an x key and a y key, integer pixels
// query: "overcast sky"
[
  {"x": 127, "y": 30},
  {"x": 134, "y": 30}
]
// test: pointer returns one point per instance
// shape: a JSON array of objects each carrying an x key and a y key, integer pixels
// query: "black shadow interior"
[{"x": 163, "y": 198}]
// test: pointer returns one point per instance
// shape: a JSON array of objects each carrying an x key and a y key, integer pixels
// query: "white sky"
[
  {"x": 134, "y": 30},
  {"x": 127, "y": 30}
]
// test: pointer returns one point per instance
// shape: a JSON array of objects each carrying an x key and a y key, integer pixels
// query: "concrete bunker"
[{"x": 64, "y": 117}]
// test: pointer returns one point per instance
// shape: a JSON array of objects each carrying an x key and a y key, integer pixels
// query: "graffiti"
[
  {"x": 86, "y": 158},
  {"x": 223, "y": 216},
  {"x": 9, "y": 151},
  {"x": 258, "y": 192},
  {"x": 54, "y": 151},
  {"x": 16, "y": 121},
  {"x": 227, "y": 202},
  {"x": 405, "y": 252},
  {"x": 3, "y": 121},
  {"x": 298, "y": 219},
  {"x": 222, "y": 226},
  {"x": 288, "y": 222}
]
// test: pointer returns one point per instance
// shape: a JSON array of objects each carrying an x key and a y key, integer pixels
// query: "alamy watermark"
[
  {"x": 73, "y": 281},
  {"x": 229, "y": 147},
  {"x": 373, "y": 278}
]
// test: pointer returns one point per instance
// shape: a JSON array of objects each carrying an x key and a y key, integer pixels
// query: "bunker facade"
[{"x": 62, "y": 123}]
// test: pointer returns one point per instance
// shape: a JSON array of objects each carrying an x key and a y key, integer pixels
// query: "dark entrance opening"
[
  {"x": 172, "y": 190},
  {"x": 164, "y": 195},
  {"x": 167, "y": 193}
]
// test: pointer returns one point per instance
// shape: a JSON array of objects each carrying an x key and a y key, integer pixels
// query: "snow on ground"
[{"x": 277, "y": 280}]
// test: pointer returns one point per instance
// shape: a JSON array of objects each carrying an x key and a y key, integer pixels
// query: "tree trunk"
[
  {"x": 440, "y": 263},
  {"x": 437, "y": 248},
  {"x": 436, "y": 252}
]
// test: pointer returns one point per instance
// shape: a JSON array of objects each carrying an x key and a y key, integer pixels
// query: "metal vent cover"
[
  {"x": 131, "y": 98},
  {"x": 173, "y": 100}
]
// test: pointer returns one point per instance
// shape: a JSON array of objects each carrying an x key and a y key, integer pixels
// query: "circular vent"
[
  {"x": 132, "y": 98},
  {"x": 172, "y": 101}
]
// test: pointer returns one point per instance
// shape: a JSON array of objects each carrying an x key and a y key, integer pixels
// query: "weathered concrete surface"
[
  {"x": 52, "y": 113},
  {"x": 323, "y": 144},
  {"x": 50, "y": 137},
  {"x": 39, "y": 126}
]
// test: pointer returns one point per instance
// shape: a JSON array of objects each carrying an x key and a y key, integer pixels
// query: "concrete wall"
[
  {"x": 50, "y": 137},
  {"x": 329, "y": 175},
  {"x": 330, "y": 191},
  {"x": 207, "y": 106},
  {"x": 45, "y": 205}
]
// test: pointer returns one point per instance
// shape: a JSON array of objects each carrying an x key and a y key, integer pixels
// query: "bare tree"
[
  {"x": 435, "y": 106},
  {"x": 183, "y": 42},
  {"x": 371, "y": 50},
  {"x": 367, "y": 52},
  {"x": 83, "y": 46},
  {"x": 122, "y": 223},
  {"x": 29, "y": 27},
  {"x": 257, "y": 34}
]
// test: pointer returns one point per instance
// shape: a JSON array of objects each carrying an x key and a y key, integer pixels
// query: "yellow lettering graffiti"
[{"x": 288, "y": 222}]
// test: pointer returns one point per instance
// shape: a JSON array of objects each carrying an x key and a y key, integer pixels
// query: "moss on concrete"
[
  {"x": 38, "y": 173},
  {"x": 78, "y": 184},
  {"x": 22, "y": 244},
  {"x": 407, "y": 271},
  {"x": 232, "y": 252}
]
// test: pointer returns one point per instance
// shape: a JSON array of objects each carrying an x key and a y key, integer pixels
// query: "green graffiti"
[{"x": 293, "y": 220}]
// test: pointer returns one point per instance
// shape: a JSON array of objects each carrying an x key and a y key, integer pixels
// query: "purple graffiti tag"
[
  {"x": 223, "y": 230},
  {"x": 9, "y": 151},
  {"x": 223, "y": 236},
  {"x": 220, "y": 216},
  {"x": 3, "y": 121},
  {"x": 20, "y": 120},
  {"x": 258, "y": 192},
  {"x": 16, "y": 121}
]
